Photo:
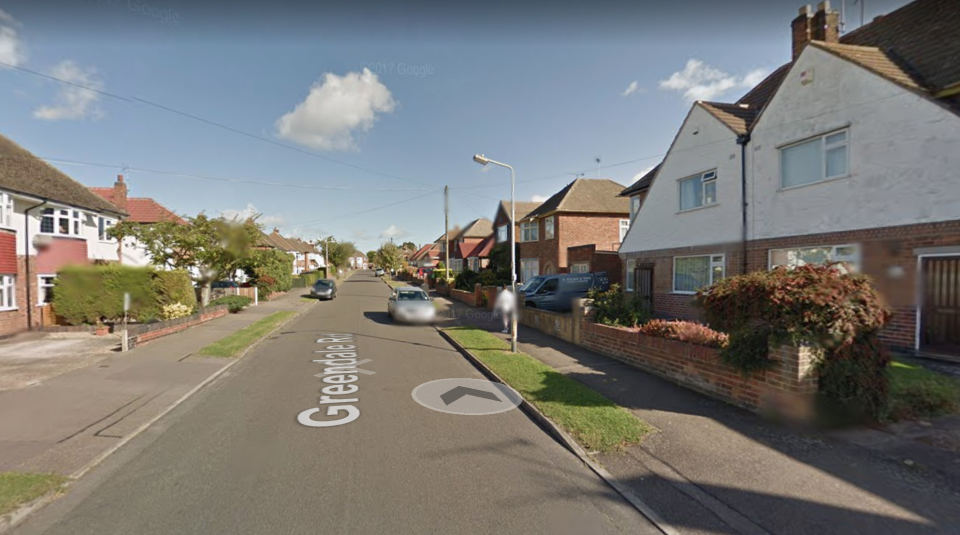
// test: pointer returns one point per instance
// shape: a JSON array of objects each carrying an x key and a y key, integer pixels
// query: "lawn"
[
  {"x": 17, "y": 489},
  {"x": 597, "y": 423},
  {"x": 233, "y": 345},
  {"x": 916, "y": 392}
]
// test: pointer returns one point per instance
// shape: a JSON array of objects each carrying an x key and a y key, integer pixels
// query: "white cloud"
[
  {"x": 538, "y": 198},
  {"x": 73, "y": 102},
  {"x": 632, "y": 89},
  {"x": 336, "y": 109},
  {"x": 11, "y": 47},
  {"x": 699, "y": 81},
  {"x": 269, "y": 222},
  {"x": 394, "y": 232},
  {"x": 641, "y": 174}
]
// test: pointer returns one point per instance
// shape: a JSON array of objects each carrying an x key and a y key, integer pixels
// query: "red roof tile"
[{"x": 142, "y": 209}]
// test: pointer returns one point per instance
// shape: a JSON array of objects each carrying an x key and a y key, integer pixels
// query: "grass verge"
[
  {"x": 18, "y": 488},
  {"x": 916, "y": 392},
  {"x": 594, "y": 421},
  {"x": 233, "y": 345}
]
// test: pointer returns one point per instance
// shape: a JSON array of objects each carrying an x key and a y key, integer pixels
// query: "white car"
[
  {"x": 411, "y": 305},
  {"x": 378, "y": 272}
]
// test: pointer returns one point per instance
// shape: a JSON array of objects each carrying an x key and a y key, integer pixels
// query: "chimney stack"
[
  {"x": 120, "y": 193},
  {"x": 826, "y": 24},
  {"x": 800, "y": 30}
]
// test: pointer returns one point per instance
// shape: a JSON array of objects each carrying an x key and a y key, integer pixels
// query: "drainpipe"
[
  {"x": 742, "y": 140},
  {"x": 26, "y": 261}
]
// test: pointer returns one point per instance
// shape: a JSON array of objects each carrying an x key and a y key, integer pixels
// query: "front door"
[
  {"x": 643, "y": 275},
  {"x": 940, "y": 313}
]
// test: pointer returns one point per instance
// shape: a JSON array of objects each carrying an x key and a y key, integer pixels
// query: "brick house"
[
  {"x": 47, "y": 221},
  {"x": 848, "y": 153},
  {"x": 585, "y": 212},
  {"x": 466, "y": 245},
  {"x": 501, "y": 222},
  {"x": 141, "y": 210}
]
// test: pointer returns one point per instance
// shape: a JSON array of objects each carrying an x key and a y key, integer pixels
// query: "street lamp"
[{"x": 483, "y": 160}]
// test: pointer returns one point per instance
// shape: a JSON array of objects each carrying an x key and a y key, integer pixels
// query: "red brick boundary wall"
[
  {"x": 491, "y": 293},
  {"x": 788, "y": 388},
  {"x": 464, "y": 296},
  {"x": 142, "y": 334}
]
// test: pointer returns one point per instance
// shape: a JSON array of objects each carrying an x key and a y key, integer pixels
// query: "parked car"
[
  {"x": 557, "y": 292},
  {"x": 324, "y": 289},
  {"x": 379, "y": 272},
  {"x": 224, "y": 284},
  {"x": 411, "y": 305}
]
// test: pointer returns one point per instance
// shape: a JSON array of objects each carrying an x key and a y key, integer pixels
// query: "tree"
[
  {"x": 208, "y": 248},
  {"x": 372, "y": 257},
  {"x": 410, "y": 246},
  {"x": 500, "y": 260},
  {"x": 389, "y": 256},
  {"x": 339, "y": 251}
]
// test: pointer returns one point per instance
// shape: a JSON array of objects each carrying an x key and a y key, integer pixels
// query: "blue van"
[{"x": 557, "y": 292}]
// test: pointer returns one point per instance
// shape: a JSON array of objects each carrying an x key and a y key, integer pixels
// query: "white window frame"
[
  {"x": 6, "y": 210},
  {"x": 634, "y": 206},
  {"x": 529, "y": 231},
  {"x": 104, "y": 224},
  {"x": 721, "y": 263},
  {"x": 852, "y": 257},
  {"x": 580, "y": 267},
  {"x": 503, "y": 234},
  {"x": 707, "y": 179},
  {"x": 629, "y": 282},
  {"x": 523, "y": 269},
  {"x": 824, "y": 148},
  {"x": 43, "y": 288},
  {"x": 73, "y": 217},
  {"x": 8, "y": 292},
  {"x": 624, "y": 228},
  {"x": 548, "y": 230}
]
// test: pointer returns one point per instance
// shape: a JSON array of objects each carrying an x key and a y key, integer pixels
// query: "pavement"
[
  {"x": 31, "y": 358},
  {"x": 234, "y": 459},
  {"x": 66, "y": 420},
  {"x": 714, "y": 468}
]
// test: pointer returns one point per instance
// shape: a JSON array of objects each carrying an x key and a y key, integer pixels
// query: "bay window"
[
  {"x": 690, "y": 273},
  {"x": 814, "y": 160},
  {"x": 698, "y": 190},
  {"x": 60, "y": 221},
  {"x": 8, "y": 292}
]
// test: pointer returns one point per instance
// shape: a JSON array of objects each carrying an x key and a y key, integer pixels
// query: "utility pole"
[{"x": 446, "y": 230}]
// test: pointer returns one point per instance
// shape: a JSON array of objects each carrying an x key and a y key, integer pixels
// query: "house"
[
  {"x": 585, "y": 212},
  {"x": 282, "y": 244},
  {"x": 848, "y": 153},
  {"x": 358, "y": 260},
  {"x": 141, "y": 210},
  {"x": 47, "y": 221},
  {"x": 501, "y": 221},
  {"x": 465, "y": 245}
]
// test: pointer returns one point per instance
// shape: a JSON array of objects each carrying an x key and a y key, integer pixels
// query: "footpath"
[
  {"x": 67, "y": 423},
  {"x": 714, "y": 468}
]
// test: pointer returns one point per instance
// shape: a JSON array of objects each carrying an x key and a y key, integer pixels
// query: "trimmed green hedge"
[
  {"x": 235, "y": 303},
  {"x": 91, "y": 294}
]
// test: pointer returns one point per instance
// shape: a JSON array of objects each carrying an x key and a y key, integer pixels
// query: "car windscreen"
[
  {"x": 530, "y": 285},
  {"x": 323, "y": 284},
  {"x": 411, "y": 296}
]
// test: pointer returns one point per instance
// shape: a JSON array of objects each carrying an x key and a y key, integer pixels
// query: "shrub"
[
  {"x": 685, "y": 331},
  {"x": 615, "y": 308},
  {"x": 92, "y": 294},
  {"x": 439, "y": 273},
  {"x": 235, "y": 303},
  {"x": 271, "y": 270},
  {"x": 466, "y": 280},
  {"x": 748, "y": 351},
  {"x": 174, "y": 311},
  {"x": 489, "y": 278},
  {"x": 174, "y": 287}
]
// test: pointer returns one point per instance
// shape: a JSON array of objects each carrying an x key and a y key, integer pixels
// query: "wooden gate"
[
  {"x": 643, "y": 275},
  {"x": 940, "y": 313}
]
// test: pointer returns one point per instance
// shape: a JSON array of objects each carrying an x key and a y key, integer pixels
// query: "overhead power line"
[{"x": 351, "y": 214}]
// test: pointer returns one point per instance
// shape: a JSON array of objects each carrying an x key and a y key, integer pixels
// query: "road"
[{"x": 234, "y": 459}]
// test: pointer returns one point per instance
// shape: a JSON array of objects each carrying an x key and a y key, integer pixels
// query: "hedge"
[
  {"x": 235, "y": 303},
  {"x": 92, "y": 294}
]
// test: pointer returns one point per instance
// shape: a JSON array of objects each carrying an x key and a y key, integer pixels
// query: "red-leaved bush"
[{"x": 685, "y": 331}]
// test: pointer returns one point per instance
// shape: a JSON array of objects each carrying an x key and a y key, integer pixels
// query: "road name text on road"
[{"x": 341, "y": 360}]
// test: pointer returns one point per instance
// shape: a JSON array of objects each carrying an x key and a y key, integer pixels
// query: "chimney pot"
[
  {"x": 120, "y": 193},
  {"x": 800, "y": 30},
  {"x": 825, "y": 25}
]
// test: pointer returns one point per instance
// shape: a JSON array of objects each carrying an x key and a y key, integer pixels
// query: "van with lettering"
[{"x": 557, "y": 292}]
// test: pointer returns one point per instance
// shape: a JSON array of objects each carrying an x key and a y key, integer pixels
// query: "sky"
[{"x": 349, "y": 118}]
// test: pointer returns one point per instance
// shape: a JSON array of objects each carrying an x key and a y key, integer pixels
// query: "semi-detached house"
[
  {"x": 47, "y": 221},
  {"x": 848, "y": 153}
]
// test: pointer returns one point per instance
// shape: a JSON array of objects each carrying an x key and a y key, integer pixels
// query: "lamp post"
[{"x": 483, "y": 160}]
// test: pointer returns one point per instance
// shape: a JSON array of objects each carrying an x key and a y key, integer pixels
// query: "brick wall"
[
  {"x": 14, "y": 321},
  {"x": 608, "y": 261},
  {"x": 572, "y": 230},
  {"x": 888, "y": 256},
  {"x": 142, "y": 334},
  {"x": 464, "y": 296},
  {"x": 788, "y": 388}
]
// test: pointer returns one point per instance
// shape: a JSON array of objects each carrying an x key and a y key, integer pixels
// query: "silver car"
[
  {"x": 324, "y": 289},
  {"x": 411, "y": 305}
]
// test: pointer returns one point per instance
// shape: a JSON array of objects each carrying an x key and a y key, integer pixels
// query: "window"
[
  {"x": 548, "y": 228},
  {"x": 474, "y": 264},
  {"x": 60, "y": 221},
  {"x": 529, "y": 268},
  {"x": 690, "y": 273},
  {"x": 45, "y": 288},
  {"x": 847, "y": 255},
  {"x": 629, "y": 282},
  {"x": 529, "y": 231},
  {"x": 103, "y": 228},
  {"x": 456, "y": 264},
  {"x": 698, "y": 190},
  {"x": 624, "y": 227},
  {"x": 6, "y": 210},
  {"x": 634, "y": 206},
  {"x": 814, "y": 160},
  {"x": 580, "y": 267},
  {"x": 443, "y": 246},
  {"x": 8, "y": 292},
  {"x": 502, "y": 234}
]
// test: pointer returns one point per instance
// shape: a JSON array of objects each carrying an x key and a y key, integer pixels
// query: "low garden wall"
[
  {"x": 788, "y": 388},
  {"x": 464, "y": 296},
  {"x": 563, "y": 326},
  {"x": 141, "y": 334}
]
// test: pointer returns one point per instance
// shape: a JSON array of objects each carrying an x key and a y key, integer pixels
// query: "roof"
[
  {"x": 478, "y": 228},
  {"x": 483, "y": 250},
  {"x": 265, "y": 241},
  {"x": 522, "y": 208},
  {"x": 739, "y": 117},
  {"x": 142, "y": 209},
  {"x": 281, "y": 243},
  {"x": 22, "y": 172},
  {"x": 872, "y": 59},
  {"x": 642, "y": 184},
  {"x": 421, "y": 251},
  {"x": 585, "y": 195}
]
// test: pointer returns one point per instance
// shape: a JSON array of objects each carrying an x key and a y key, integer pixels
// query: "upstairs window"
[
  {"x": 624, "y": 228},
  {"x": 502, "y": 234},
  {"x": 814, "y": 160},
  {"x": 548, "y": 228},
  {"x": 634, "y": 206},
  {"x": 698, "y": 190},
  {"x": 529, "y": 231},
  {"x": 61, "y": 221},
  {"x": 6, "y": 210},
  {"x": 103, "y": 228}
]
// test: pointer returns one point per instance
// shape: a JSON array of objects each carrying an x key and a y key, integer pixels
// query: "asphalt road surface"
[{"x": 234, "y": 459}]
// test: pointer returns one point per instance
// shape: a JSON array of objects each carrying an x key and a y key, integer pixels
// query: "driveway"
[{"x": 31, "y": 359}]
